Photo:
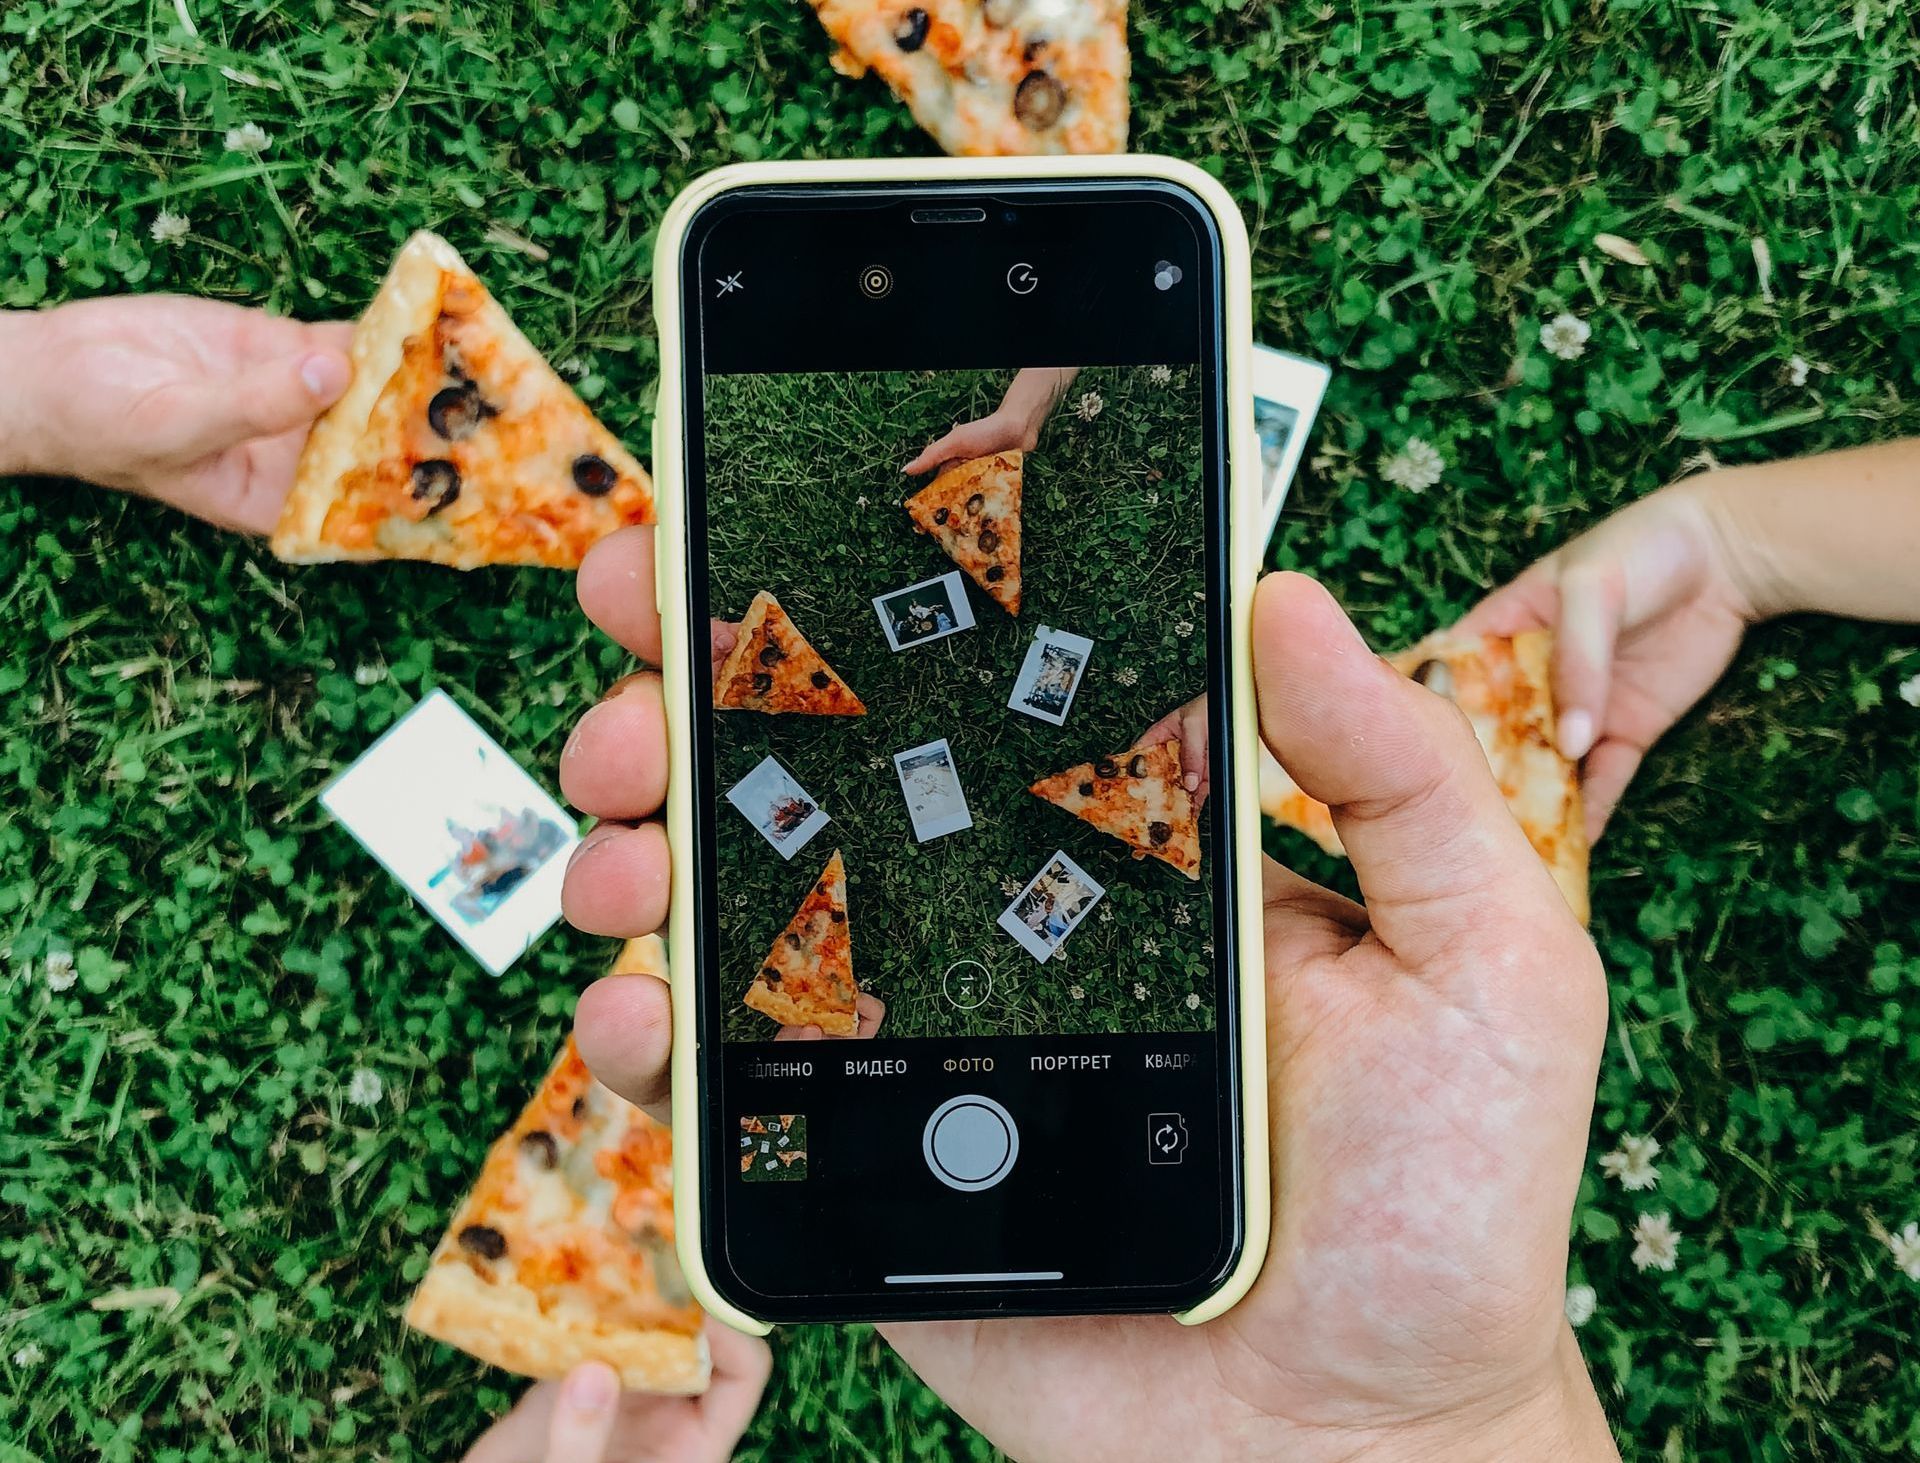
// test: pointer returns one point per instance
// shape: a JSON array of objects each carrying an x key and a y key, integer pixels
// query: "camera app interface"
[{"x": 959, "y": 655}]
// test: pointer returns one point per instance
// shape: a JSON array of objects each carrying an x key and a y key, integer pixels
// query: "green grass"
[
  {"x": 806, "y": 490},
  {"x": 1423, "y": 183}
]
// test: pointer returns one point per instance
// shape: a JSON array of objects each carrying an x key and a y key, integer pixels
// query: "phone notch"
[{"x": 949, "y": 215}]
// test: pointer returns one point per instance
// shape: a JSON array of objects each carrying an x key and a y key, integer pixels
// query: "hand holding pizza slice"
[{"x": 1139, "y": 797}]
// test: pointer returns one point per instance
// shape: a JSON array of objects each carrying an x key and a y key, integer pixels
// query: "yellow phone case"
[{"x": 680, "y": 654}]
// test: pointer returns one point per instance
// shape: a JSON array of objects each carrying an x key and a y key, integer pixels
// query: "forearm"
[
  {"x": 1838, "y": 533},
  {"x": 22, "y": 413},
  {"x": 1035, "y": 392}
]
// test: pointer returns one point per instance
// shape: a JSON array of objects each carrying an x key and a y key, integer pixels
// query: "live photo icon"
[{"x": 1166, "y": 1137}]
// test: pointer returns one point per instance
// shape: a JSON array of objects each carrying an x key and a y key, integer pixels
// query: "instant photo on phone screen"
[{"x": 1033, "y": 986}]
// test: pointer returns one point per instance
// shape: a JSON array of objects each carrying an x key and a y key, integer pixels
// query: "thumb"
[
  {"x": 1436, "y": 850},
  {"x": 262, "y": 400}
]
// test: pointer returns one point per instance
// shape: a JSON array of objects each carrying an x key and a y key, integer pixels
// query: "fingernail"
[
  {"x": 574, "y": 742},
  {"x": 1193, "y": 782},
  {"x": 592, "y": 1389},
  {"x": 1576, "y": 735},
  {"x": 324, "y": 376}
]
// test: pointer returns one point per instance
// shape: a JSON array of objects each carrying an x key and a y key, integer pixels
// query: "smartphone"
[
  {"x": 945, "y": 1047},
  {"x": 1287, "y": 391}
]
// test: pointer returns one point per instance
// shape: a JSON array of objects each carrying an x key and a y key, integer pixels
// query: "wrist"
[
  {"x": 1751, "y": 568},
  {"x": 23, "y": 351}
]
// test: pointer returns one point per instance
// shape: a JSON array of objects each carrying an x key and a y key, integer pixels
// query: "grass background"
[
  {"x": 805, "y": 485},
  {"x": 1423, "y": 182}
]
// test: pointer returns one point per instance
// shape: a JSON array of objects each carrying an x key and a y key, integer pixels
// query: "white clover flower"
[
  {"x": 60, "y": 976},
  {"x": 1160, "y": 375},
  {"x": 878, "y": 764},
  {"x": 250, "y": 138},
  {"x": 1077, "y": 992},
  {"x": 1182, "y": 915},
  {"x": 369, "y": 674},
  {"x": 1009, "y": 886},
  {"x": 1581, "y": 1303},
  {"x": 1089, "y": 406},
  {"x": 1183, "y": 628},
  {"x": 1206, "y": 947},
  {"x": 1416, "y": 467},
  {"x": 1153, "y": 497},
  {"x": 1655, "y": 1245},
  {"x": 1632, "y": 1162},
  {"x": 1193, "y": 1000},
  {"x": 1126, "y": 675},
  {"x": 1149, "y": 946},
  {"x": 1797, "y": 370},
  {"x": 168, "y": 227},
  {"x": 740, "y": 901},
  {"x": 1910, "y": 690},
  {"x": 1139, "y": 991},
  {"x": 861, "y": 501},
  {"x": 1565, "y": 337},
  {"x": 29, "y": 1355},
  {"x": 1905, "y": 1245},
  {"x": 1106, "y": 914},
  {"x": 986, "y": 676},
  {"x": 364, "y": 1087}
]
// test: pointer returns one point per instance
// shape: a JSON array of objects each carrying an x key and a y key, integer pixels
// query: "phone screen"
[{"x": 956, "y": 527}]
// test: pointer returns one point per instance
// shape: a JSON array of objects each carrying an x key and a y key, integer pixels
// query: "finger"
[
  {"x": 615, "y": 589},
  {"x": 615, "y": 763},
  {"x": 869, "y": 1012},
  {"x": 1303, "y": 920},
  {"x": 941, "y": 449},
  {"x": 1433, "y": 845},
  {"x": 271, "y": 398},
  {"x": 1592, "y": 601},
  {"x": 624, "y": 1031},
  {"x": 799, "y": 1033},
  {"x": 618, "y": 880},
  {"x": 582, "y": 1423},
  {"x": 1193, "y": 743},
  {"x": 1604, "y": 776},
  {"x": 1529, "y": 602},
  {"x": 741, "y": 1366}
]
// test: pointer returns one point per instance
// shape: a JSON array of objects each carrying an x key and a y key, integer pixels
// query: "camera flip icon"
[{"x": 1166, "y": 1137}]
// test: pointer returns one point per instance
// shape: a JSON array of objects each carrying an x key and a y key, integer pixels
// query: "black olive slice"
[
  {"x": 996, "y": 573},
  {"x": 437, "y": 482},
  {"x": 540, "y": 1147},
  {"x": 1106, "y": 767},
  {"x": 579, "y": 1107},
  {"x": 1039, "y": 101},
  {"x": 910, "y": 31},
  {"x": 794, "y": 939},
  {"x": 1086, "y": 789},
  {"x": 1436, "y": 676},
  {"x": 821, "y": 680},
  {"x": 1137, "y": 766},
  {"x": 838, "y": 916},
  {"x": 594, "y": 476},
  {"x": 940, "y": 515},
  {"x": 771, "y": 654},
  {"x": 455, "y": 411},
  {"x": 483, "y": 1240},
  {"x": 989, "y": 540},
  {"x": 762, "y": 683},
  {"x": 1159, "y": 833},
  {"x": 976, "y": 503},
  {"x": 769, "y": 975}
]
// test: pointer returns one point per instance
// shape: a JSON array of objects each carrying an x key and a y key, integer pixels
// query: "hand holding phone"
[{"x": 1432, "y": 1080}]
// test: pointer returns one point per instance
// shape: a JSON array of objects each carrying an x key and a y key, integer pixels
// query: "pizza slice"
[
  {"x": 807, "y": 977},
  {"x": 972, "y": 509},
  {"x": 563, "y": 1251},
  {"x": 1137, "y": 796},
  {"x": 995, "y": 77},
  {"x": 456, "y": 442},
  {"x": 772, "y": 668},
  {"x": 1503, "y": 686}
]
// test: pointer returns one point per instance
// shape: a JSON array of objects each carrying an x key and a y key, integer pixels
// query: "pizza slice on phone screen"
[
  {"x": 456, "y": 442},
  {"x": 563, "y": 1251},
  {"x": 995, "y": 77},
  {"x": 1503, "y": 686},
  {"x": 1139, "y": 798},
  {"x": 972, "y": 510},
  {"x": 775, "y": 669},
  {"x": 807, "y": 977}
]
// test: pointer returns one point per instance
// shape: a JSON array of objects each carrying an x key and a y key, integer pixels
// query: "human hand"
[
  {"x": 868, "y": 1011},
  {"x": 199, "y": 404},
  {"x": 1013, "y": 426},
  {"x": 1433, "y": 1058},
  {"x": 1647, "y": 612},
  {"x": 1188, "y": 725},
  {"x": 587, "y": 1419}
]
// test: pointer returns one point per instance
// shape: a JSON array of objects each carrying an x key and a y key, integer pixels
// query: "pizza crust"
[{"x": 502, "y": 1325}]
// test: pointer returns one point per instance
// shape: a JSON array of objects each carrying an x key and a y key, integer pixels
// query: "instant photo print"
[
  {"x": 1051, "y": 674},
  {"x": 1287, "y": 391},
  {"x": 1051, "y": 906},
  {"x": 780, "y": 810},
  {"x": 457, "y": 821},
  {"x": 925, "y": 612},
  {"x": 931, "y": 785}
]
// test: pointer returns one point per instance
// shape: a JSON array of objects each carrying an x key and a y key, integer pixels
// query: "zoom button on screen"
[{"x": 970, "y": 1143}]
